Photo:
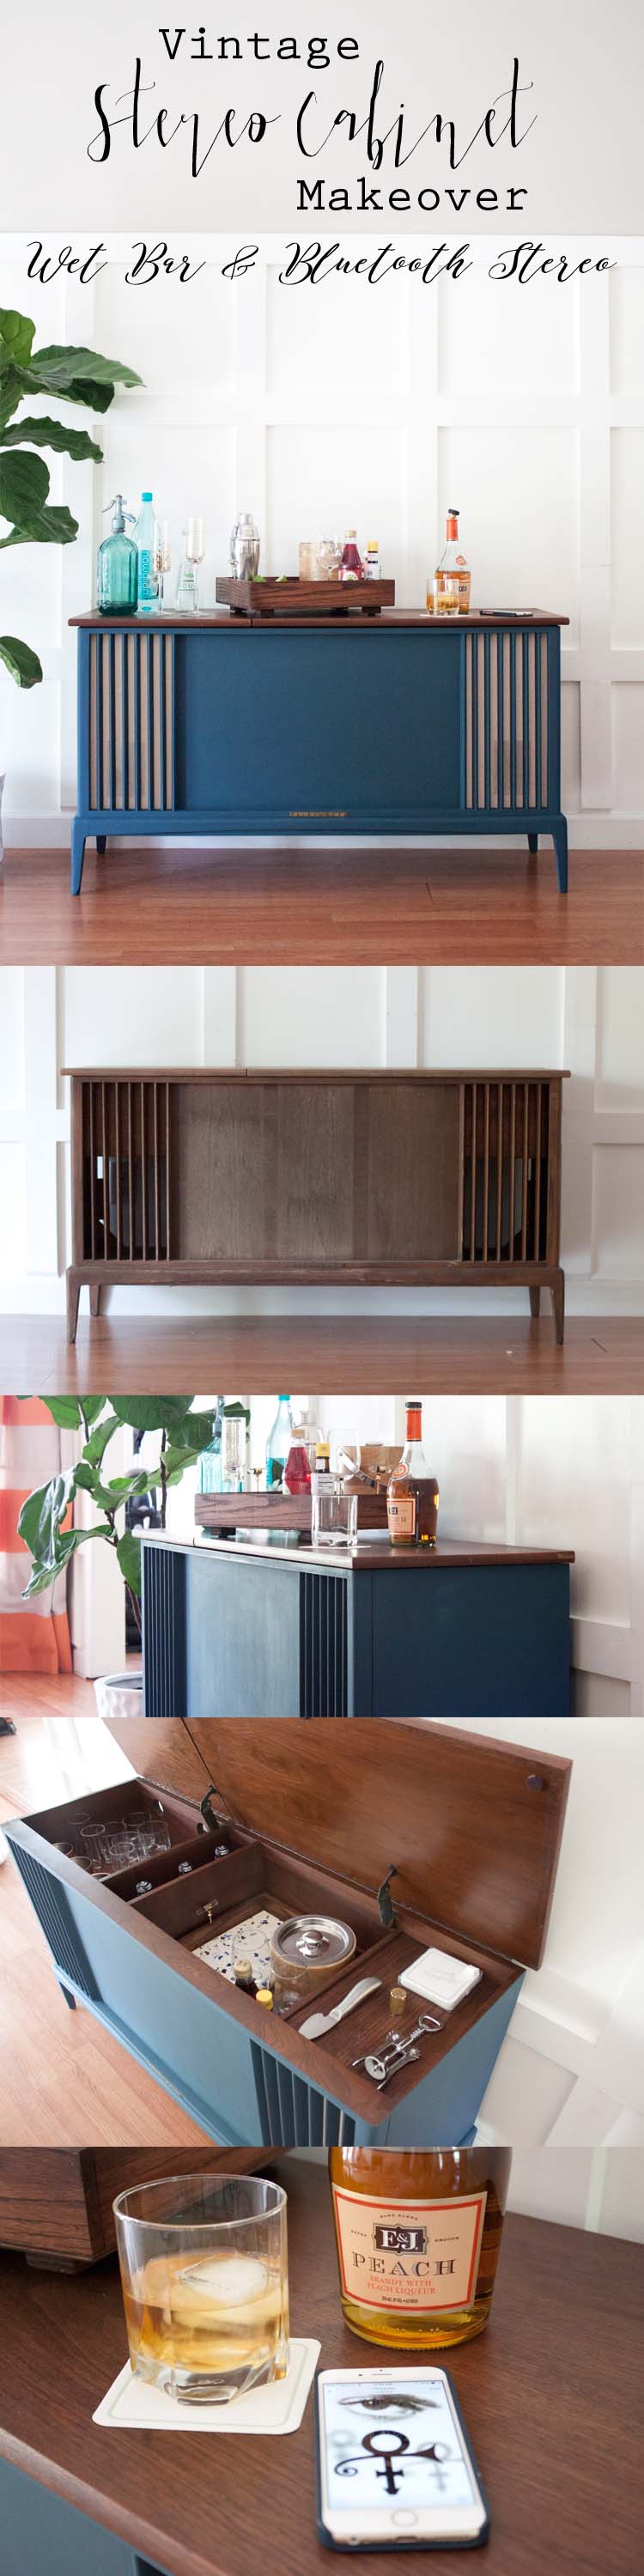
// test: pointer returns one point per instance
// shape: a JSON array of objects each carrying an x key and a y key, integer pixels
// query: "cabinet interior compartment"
[
  {"x": 252, "y": 1880},
  {"x": 65, "y": 1826}
]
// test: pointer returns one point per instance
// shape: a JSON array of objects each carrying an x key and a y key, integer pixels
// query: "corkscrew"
[{"x": 395, "y": 2051}]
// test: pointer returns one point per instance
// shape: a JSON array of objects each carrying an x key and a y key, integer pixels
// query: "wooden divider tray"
[
  {"x": 291, "y": 597},
  {"x": 470, "y": 1828}
]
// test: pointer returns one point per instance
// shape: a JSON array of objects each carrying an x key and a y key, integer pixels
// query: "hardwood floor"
[
  {"x": 388, "y": 906},
  {"x": 63, "y": 2080},
  {"x": 347, "y": 1354}
]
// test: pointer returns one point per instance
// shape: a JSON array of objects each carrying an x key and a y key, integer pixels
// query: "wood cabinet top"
[
  {"x": 196, "y": 2506},
  {"x": 325, "y": 1074},
  {"x": 368, "y": 1554},
  {"x": 340, "y": 622}
]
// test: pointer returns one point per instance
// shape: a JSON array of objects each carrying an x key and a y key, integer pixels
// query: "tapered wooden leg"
[
  {"x": 100, "y": 843},
  {"x": 557, "y": 1294},
  {"x": 535, "y": 1301},
  {"x": 95, "y": 1297},
  {"x": 69, "y": 1999},
  {"x": 73, "y": 1296},
  {"x": 560, "y": 838},
  {"x": 533, "y": 844},
  {"x": 78, "y": 854}
]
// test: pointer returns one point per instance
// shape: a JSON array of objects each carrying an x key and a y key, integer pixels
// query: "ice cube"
[{"x": 228, "y": 2280}]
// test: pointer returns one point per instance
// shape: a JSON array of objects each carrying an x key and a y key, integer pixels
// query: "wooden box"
[
  {"x": 293, "y": 597},
  {"x": 252, "y": 1629},
  {"x": 365, "y": 1179},
  {"x": 471, "y": 1829},
  {"x": 56, "y": 2202}
]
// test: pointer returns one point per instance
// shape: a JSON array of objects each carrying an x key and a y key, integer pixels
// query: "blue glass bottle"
[
  {"x": 148, "y": 587},
  {"x": 117, "y": 566},
  {"x": 279, "y": 1442}
]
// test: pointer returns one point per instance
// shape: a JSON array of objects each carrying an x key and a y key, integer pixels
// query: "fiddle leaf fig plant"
[
  {"x": 41, "y": 1524},
  {"x": 70, "y": 375}
]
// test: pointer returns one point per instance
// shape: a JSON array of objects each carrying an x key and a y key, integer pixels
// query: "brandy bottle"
[
  {"x": 452, "y": 579},
  {"x": 418, "y": 2239},
  {"x": 412, "y": 1493}
]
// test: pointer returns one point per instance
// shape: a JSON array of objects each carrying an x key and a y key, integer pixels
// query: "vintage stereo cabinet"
[
  {"x": 381, "y": 725},
  {"x": 432, "y": 1179},
  {"x": 244, "y": 1630},
  {"x": 470, "y": 1829}
]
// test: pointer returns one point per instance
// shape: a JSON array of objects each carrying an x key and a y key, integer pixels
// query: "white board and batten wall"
[{"x": 324, "y": 409}]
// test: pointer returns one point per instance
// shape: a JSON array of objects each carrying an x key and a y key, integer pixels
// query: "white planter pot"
[{"x": 119, "y": 1695}]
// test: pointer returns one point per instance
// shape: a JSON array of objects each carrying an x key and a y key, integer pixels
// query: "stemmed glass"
[
  {"x": 162, "y": 555},
  {"x": 195, "y": 550}
]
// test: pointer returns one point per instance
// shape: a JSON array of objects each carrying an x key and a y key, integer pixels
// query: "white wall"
[
  {"x": 572, "y": 2066},
  {"x": 589, "y": 1021},
  {"x": 373, "y": 407}
]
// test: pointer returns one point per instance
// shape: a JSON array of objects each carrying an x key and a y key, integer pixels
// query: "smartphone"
[{"x": 395, "y": 2468}]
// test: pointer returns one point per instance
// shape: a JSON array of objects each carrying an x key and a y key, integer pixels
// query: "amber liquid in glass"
[
  {"x": 216, "y": 2313},
  {"x": 418, "y": 2239}
]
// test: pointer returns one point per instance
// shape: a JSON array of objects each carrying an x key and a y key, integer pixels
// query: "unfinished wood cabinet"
[{"x": 365, "y": 1179}]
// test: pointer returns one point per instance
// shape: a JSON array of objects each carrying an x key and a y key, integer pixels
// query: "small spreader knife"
[{"x": 319, "y": 2022}]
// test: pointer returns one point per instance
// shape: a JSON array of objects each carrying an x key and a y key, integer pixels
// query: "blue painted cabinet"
[
  {"x": 387, "y": 725},
  {"x": 468, "y": 1834},
  {"x": 233, "y": 1631},
  {"x": 42, "y": 2535}
]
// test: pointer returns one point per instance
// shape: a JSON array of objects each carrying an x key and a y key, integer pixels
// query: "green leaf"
[
  {"x": 13, "y": 386},
  {"x": 16, "y": 335},
  {"x": 95, "y": 1447},
  {"x": 40, "y": 1519},
  {"x": 195, "y": 1432},
  {"x": 68, "y": 1544},
  {"x": 58, "y": 367},
  {"x": 54, "y": 527},
  {"x": 65, "y": 1410},
  {"x": 151, "y": 1412},
  {"x": 23, "y": 665},
  {"x": 54, "y": 434},
  {"x": 91, "y": 1406},
  {"x": 129, "y": 1557},
  {"x": 24, "y": 484},
  {"x": 120, "y": 1489}
]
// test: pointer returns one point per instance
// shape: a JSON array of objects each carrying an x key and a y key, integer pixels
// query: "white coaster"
[
  {"x": 440, "y": 1978},
  {"x": 278, "y": 2407}
]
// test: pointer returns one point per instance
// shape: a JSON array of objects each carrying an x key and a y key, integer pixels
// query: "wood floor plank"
[
  {"x": 63, "y": 2080},
  {"x": 354, "y": 1354},
  {"x": 393, "y": 905}
]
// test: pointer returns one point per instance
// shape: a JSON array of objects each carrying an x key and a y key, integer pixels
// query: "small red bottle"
[
  {"x": 350, "y": 564},
  {"x": 297, "y": 1472}
]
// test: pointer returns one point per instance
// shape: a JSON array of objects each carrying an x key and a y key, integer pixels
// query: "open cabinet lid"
[{"x": 473, "y": 1825}]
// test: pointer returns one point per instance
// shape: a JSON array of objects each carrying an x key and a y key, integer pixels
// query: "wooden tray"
[
  {"x": 271, "y": 598},
  {"x": 280, "y": 1511}
]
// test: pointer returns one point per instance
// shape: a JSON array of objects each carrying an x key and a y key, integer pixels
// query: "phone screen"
[{"x": 396, "y": 2445}]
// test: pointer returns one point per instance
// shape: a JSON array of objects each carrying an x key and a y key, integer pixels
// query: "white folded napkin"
[
  {"x": 277, "y": 2407},
  {"x": 440, "y": 1978}
]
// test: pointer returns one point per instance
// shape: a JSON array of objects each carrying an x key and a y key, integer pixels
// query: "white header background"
[{"x": 581, "y": 164}]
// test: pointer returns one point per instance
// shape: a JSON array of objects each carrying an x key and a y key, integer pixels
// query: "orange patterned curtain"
[{"x": 34, "y": 1635}]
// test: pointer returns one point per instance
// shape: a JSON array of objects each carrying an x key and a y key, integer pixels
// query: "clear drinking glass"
[
  {"x": 334, "y": 1515},
  {"x": 204, "y": 2276},
  {"x": 195, "y": 550},
  {"x": 162, "y": 555}
]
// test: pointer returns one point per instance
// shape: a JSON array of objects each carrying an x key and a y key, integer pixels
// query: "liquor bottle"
[
  {"x": 117, "y": 565},
  {"x": 148, "y": 588},
  {"x": 235, "y": 1434},
  {"x": 350, "y": 565},
  {"x": 412, "y": 1493},
  {"x": 371, "y": 565},
  {"x": 297, "y": 1472},
  {"x": 418, "y": 2238},
  {"x": 453, "y": 577},
  {"x": 279, "y": 1442}
]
